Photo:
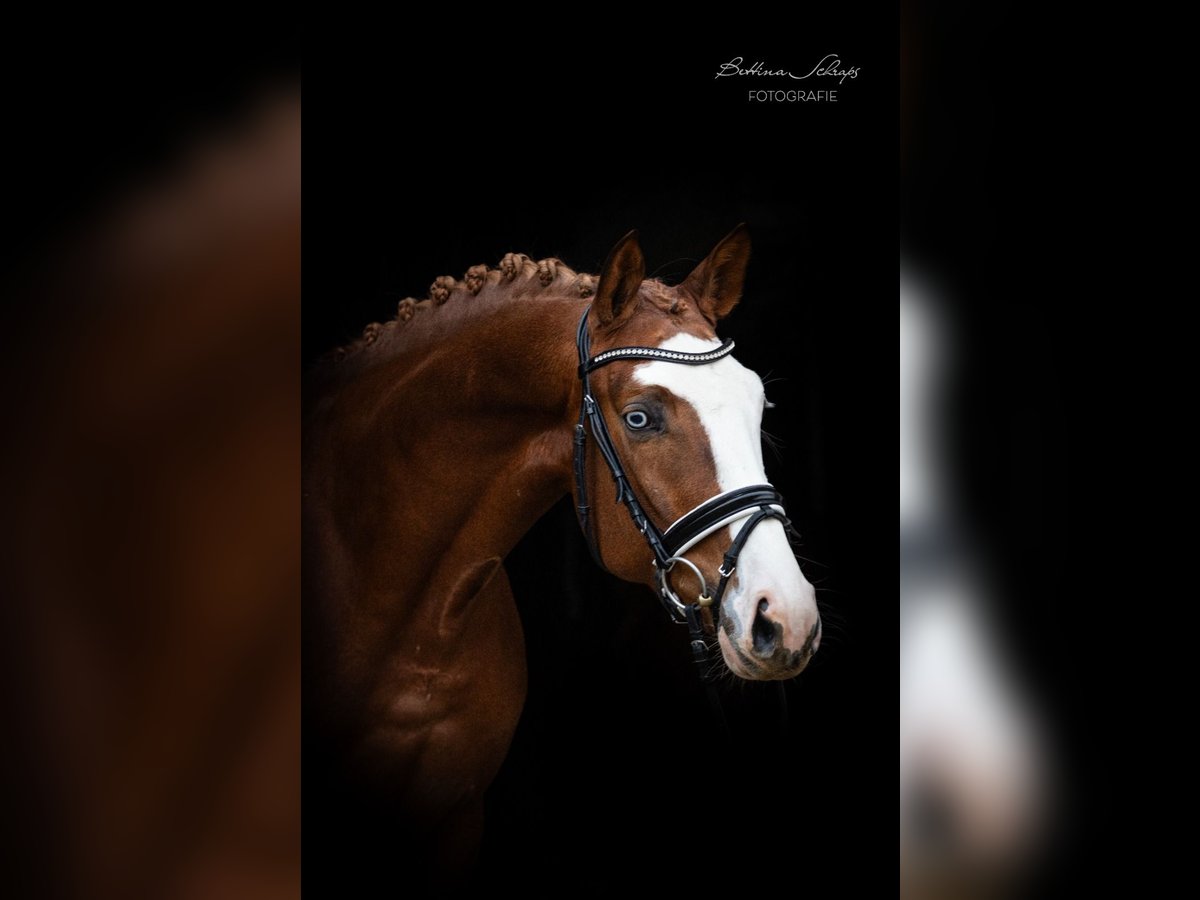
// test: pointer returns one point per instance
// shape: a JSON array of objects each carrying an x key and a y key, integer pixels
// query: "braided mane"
[{"x": 516, "y": 276}]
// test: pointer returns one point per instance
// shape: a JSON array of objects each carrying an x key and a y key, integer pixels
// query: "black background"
[{"x": 617, "y": 773}]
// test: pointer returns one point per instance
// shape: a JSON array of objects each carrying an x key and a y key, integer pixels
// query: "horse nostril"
[{"x": 764, "y": 632}]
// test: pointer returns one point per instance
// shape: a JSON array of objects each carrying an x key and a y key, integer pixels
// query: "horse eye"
[{"x": 636, "y": 419}]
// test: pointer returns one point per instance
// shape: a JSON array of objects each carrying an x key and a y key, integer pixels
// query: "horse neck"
[{"x": 434, "y": 459}]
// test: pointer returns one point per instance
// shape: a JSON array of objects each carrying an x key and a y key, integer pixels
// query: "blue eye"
[{"x": 636, "y": 419}]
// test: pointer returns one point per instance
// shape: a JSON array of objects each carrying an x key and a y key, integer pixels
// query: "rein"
[{"x": 755, "y": 503}]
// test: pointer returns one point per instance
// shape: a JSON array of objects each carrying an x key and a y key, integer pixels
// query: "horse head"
[{"x": 686, "y": 441}]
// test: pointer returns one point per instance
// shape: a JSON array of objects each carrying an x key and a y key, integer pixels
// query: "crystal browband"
[{"x": 675, "y": 356}]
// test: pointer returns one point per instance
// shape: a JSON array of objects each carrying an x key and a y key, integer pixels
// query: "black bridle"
[{"x": 756, "y": 503}]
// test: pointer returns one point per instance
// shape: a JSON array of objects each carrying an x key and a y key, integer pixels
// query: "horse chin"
[
  {"x": 749, "y": 669},
  {"x": 738, "y": 663}
]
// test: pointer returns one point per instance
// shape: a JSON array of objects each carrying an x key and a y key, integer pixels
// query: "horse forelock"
[{"x": 663, "y": 311}]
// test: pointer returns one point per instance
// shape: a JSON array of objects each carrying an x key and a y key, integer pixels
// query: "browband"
[{"x": 675, "y": 356}]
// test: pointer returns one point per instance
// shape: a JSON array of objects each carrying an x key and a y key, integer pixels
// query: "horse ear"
[
  {"x": 620, "y": 278},
  {"x": 716, "y": 284}
]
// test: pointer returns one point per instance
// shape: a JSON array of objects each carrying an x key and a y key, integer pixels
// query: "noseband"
[{"x": 755, "y": 503}]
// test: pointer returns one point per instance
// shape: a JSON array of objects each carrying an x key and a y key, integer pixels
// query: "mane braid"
[{"x": 517, "y": 276}]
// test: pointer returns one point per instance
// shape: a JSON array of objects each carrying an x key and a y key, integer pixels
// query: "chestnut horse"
[{"x": 436, "y": 441}]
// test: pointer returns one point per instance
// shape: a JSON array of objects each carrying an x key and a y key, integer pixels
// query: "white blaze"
[{"x": 728, "y": 399}]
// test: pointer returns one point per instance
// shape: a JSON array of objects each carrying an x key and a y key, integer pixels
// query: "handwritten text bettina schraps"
[{"x": 830, "y": 67}]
